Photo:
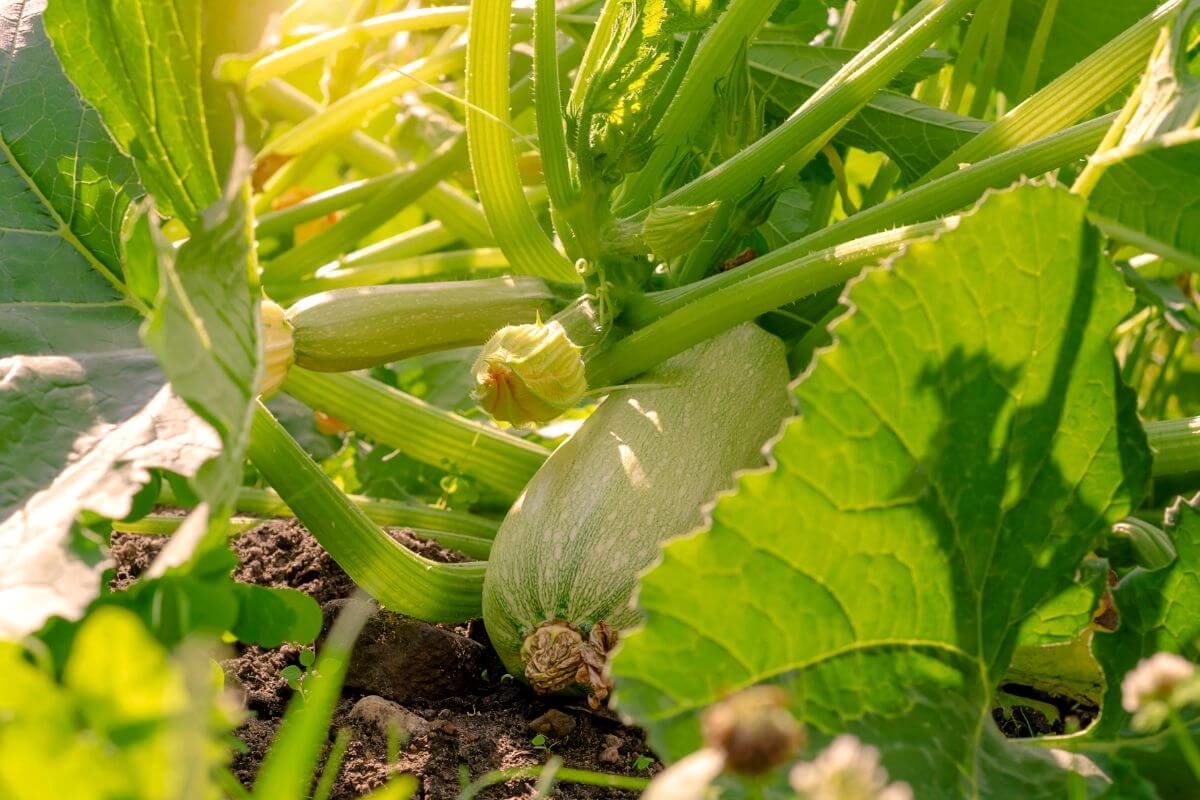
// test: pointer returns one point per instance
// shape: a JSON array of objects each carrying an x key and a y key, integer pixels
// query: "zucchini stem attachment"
[{"x": 558, "y": 656}]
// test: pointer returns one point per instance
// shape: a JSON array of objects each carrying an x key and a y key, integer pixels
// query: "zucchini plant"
[{"x": 847, "y": 348}]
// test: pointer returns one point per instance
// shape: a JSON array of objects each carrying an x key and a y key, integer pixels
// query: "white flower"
[
  {"x": 688, "y": 778},
  {"x": 846, "y": 770},
  {"x": 1162, "y": 682}
]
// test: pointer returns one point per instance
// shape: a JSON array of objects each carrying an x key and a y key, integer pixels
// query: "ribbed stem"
[
  {"x": 400, "y": 579},
  {"x": 420, "y": 430},
  {"x": 360, "y": 327},
  {"x": 641, "y": 310},
  {"x": 283, "y": 61},
  {"x": 373, "y": 157},
  {"x": 1176, "y": 446},
  {"x": 547, "y": 99},
  {"x": 1037, "y": 50},
  {"x": 389, "y": 513},
  {"x": 416, "y": 241},
  {"x": 493, "y": 158},
  {"x": 1069, "y": 97},
  {"x": 274, "y": 223}
]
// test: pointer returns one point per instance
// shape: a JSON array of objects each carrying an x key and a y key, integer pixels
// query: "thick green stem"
[
  {"x": 420, "y": 430},
  {"x": 1176, "y": 446},
  {"x": 397, "y": 192},
  {"x": 359, "y": 327},
  {"x": 825, "y": 113},
  {"x": 389, "y": 513},
  {"x": 547, "y": 102},
  {"x": 866, "y": 20},
  {"x": 493, "y": 157},
  {"x": 1069, "y": 97},
  {"x": 718, "y": 310},
  {"x": 400, "y": 579},
  {"x": 693, "y": 102},
  {"x": 641, "y": 310},
  {"x": 417, "y": 241}
]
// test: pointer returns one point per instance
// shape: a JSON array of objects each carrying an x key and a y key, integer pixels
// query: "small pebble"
[{"x": 384, "y": 714}]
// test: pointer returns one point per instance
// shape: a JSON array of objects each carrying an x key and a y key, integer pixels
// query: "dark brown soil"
[{"x": 476, "y": 725}]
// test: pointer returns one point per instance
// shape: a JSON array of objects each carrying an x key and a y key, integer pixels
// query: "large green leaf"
[
  {"x": 138, "y": 62},
  {"x": 916, "y": 135},
  {"x": 85, "y": 408},
  {"x": 961, "y": 447}
]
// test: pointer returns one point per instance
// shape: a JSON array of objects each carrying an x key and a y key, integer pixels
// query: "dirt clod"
[
  {"x": 405, "y": 659},
  {"x": 554, "y": 724}
]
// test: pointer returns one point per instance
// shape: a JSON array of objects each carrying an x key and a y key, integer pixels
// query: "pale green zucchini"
[
  {"x": 358, "y": 327},
  {"x": 639, "y": 470}
]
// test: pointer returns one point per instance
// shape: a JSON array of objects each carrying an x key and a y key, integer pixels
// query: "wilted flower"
[
  {"x": 846, "y": 770},
  {"x": 529, "y": 373},
  {"x": 1158, "y": 684}
]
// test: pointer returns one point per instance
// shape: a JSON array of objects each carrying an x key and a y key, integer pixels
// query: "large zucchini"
[{"x": 566, "y": 559}]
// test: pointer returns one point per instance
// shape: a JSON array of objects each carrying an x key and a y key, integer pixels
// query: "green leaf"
[
  {"x": 84, "y": 409},
  {"x": 138, "y": 62},
  {"x": 205, "y": 331},
  {"x": 961, "y": 448},
  {"x": 270, "y": 616},
  {"x": 1079, "y": 28},
  {"x": 1149, "y": 196},
  {"x": 915, "y": 135}
]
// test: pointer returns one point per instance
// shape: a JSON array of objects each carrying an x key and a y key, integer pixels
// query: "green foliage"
[
  {"x": 127, "y": 719},
  {"x": 965, "y": 474}
]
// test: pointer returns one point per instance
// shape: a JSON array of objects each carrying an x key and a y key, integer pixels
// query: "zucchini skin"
[
  {"x": 636, "y": 473},
  {"x": 359, "y": 327}
]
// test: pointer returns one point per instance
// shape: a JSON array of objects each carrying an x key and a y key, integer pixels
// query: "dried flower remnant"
[
  {"x": 846, "y": 770},
  {"x": 754, "y": 729}
]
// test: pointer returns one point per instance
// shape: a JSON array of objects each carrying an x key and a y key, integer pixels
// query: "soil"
[{"x": 460, "y": 717}]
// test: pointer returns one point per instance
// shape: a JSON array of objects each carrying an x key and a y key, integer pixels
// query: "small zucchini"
[
  {"x": 638, "y": 472},
  {"x": 358, "y": 327}
]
